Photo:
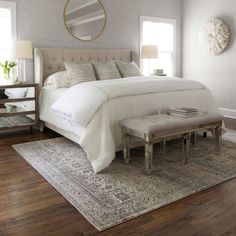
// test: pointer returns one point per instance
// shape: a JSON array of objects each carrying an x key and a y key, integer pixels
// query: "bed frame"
[{"x": 51, "y": 60}]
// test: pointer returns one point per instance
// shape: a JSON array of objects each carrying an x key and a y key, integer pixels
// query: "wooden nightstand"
[{"x": 13, "y": 120}]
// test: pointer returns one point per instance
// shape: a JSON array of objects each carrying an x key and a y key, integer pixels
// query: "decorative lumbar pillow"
[
  {"x": 105, "y": 71},
  {"x": 128, "y": 69},
  {"x": 80, "y": 73},
  {"x": 58, "y": 80}
]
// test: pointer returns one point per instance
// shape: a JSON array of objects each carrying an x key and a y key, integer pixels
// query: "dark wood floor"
[{"x": 31, "y": 206}]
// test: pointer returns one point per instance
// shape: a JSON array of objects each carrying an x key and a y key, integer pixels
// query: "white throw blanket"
[
  {"x": 99, "y": 106},
  {"x": 79, "y": 104}
]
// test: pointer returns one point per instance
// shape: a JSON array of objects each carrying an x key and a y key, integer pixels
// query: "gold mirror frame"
[{"x": 75, "y": 35}]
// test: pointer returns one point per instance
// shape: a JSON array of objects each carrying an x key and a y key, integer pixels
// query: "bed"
[
  {"x": 50, "y": 60},
  {"x": 99, "y": 132}
]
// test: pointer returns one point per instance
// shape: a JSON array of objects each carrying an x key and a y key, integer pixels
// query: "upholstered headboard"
[{"x": 50, "y": 60}]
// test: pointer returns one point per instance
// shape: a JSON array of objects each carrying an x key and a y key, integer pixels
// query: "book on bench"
[{"x": 183, "y": 112}]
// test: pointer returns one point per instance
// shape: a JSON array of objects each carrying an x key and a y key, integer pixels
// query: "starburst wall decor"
[{"x": 214, "y": 36}]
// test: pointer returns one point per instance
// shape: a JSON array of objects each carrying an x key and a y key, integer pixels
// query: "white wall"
[
  {"x": 42, "y": 22},
  {"x": 217, "y": 72}
]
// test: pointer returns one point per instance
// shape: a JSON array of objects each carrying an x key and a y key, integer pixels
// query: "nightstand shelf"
[
  {"x": 13, "y": 120},
  {"x": 3, "y": 101},
  {"x": 25, "y": 113}
]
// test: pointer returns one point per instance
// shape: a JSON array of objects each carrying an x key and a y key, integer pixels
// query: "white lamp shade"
[
  {"x": 22, "y": 49},
  {"x": 149, "y": 52}
]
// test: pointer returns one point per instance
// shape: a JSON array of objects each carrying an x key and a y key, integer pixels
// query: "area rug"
[{"x": 123, "y": 192}]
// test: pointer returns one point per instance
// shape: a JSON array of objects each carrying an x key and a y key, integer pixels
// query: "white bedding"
[
  {"x": 47, "y": 98},
  {"x": 99, "y": 107},
  {"x": 79, "y": 104}
]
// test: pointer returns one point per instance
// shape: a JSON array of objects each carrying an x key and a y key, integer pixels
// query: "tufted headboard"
[{"x": 50, "y": 60}]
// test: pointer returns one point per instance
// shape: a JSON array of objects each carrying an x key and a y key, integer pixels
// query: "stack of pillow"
[{"x": 86, "y": 72}]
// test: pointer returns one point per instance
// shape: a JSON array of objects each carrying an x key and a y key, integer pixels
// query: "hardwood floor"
[{"x": 31, "y": 206}]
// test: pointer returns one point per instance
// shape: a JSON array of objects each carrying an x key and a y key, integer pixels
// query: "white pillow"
[
  {"x": 58, "y": 80},
  {"x": 50, "y": 87}
]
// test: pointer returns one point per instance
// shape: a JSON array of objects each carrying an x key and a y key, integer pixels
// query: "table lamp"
[
  {"x": 149, "y": 52},
  {"x": 22, "y": 50}
]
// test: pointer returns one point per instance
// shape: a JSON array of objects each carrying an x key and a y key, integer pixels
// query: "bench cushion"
[{"x": 167, "y": 124}]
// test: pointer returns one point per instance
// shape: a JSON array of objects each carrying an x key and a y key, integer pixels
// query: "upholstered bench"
[{"x": 157, "y": 128}]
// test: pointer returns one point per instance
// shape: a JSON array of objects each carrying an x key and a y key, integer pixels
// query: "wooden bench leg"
[
  {"x": 186, "y": 147},
  {"x": 163, "y": 147},
  {"x": 148, "y": 158},
  {"x": 127, "y": 148},
  {"x": 218, "y": 138}
]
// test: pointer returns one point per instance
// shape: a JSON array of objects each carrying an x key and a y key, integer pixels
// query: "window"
[
  {"x": 160, "y": 32},
  {"x": 7, "y": 29}
]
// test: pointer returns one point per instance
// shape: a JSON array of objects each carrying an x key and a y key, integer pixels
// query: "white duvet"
[{"x": 99, "y": 106}]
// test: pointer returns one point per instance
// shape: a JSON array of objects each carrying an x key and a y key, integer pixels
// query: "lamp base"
[{"x": 21, "y": 70}]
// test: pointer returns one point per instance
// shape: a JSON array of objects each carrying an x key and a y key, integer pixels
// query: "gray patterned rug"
[{"x": 123, "y": 192}]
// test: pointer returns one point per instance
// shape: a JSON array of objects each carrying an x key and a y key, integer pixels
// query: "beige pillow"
[
  {"x": 58, "y": 80},
  {"x": 105, "y": 71},
  {"x": 80, "y": 73},
  {"x": 128, "y": 69}
]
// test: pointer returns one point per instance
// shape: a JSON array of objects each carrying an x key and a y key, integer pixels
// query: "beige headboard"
[{"x": 50, "y": 60}]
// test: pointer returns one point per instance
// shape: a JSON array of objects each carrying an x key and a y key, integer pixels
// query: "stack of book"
[{"x": 183, "y": 112}]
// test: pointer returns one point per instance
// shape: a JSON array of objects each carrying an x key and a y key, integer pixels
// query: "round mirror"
[{"x": 85, "y": 19}]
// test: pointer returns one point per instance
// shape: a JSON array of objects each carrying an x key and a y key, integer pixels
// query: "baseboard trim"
[{"x": 229, "y": 113}]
